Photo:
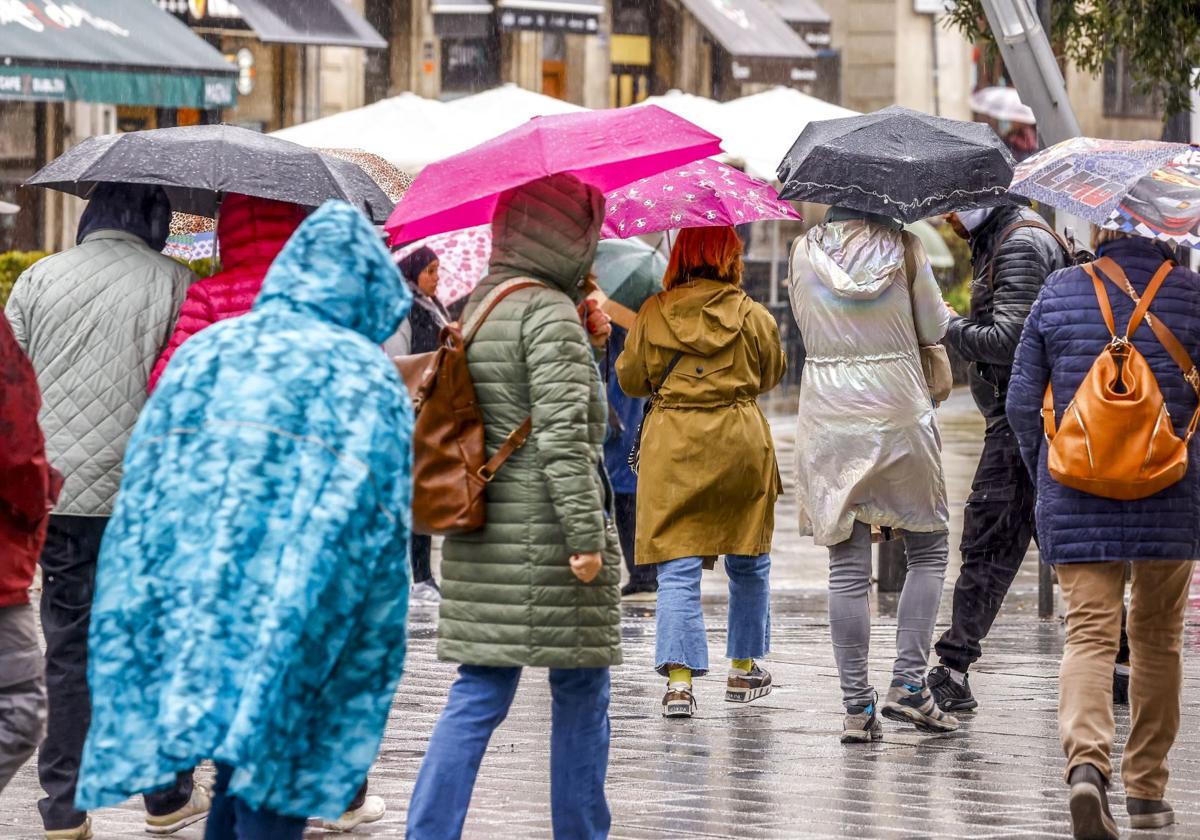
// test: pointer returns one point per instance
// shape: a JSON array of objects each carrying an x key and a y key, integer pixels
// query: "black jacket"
[
  {"x": 1000, "y": 301},
  {"x": 427, "y": 317}
]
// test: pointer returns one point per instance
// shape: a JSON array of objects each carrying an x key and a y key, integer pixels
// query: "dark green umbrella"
[{"x": 629, "y": 272}]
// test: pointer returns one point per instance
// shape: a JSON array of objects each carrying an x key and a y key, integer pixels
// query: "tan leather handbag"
[
  {"x": 1117, "y": 439},
  {"x": 935, "y": 363},
  {"x": 451, "y": 469}
]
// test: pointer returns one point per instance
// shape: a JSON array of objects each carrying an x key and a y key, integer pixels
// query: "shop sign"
[
  {"x": 522, "y": 20},
  {"x": 47, "y": 86},
  {"x": 803, "y": 74},
  {"x": 218, "y": 92}
]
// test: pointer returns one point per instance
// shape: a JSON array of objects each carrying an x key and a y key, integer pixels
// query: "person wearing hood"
[
  {"x": 420, "y": 333},
  {"x": 250, "y": 234},
  {"x": 1010, "y": 265},
  {"x": 703, "y": 351},
  {"x": 92, "y": 320},
  {"x": 253, "y": 583},
  {"x": 538, "y": 585},
  {"x": 868, "y": 449}
]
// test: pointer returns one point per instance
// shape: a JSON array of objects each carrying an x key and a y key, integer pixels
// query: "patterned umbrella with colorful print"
[{"x": 701, "y": 194}]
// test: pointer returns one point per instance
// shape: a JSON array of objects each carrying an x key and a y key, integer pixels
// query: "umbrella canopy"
[
  {"x": 393, "y": 181},
  {"x": 628, "y": 272},
  {"x": 701, "y": 194},
  {"x": 607, "y": 149},
  {"x": 197, "y": 164},
  {"x": 898, "y": 163},
  {"x": 1002, "y": 103},
  {"x": 1142, "y": 187},
  {"x": 463, "y": 257}
]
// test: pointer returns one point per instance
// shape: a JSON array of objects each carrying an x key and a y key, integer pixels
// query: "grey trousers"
[
  {"x": 850, "y": 610},
  {"x": 22, "y": 690}
]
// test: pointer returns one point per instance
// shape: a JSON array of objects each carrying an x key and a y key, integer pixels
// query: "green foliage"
[
  {"x": 1161, "y": 39},
  {"x": 12, "y": 263}
]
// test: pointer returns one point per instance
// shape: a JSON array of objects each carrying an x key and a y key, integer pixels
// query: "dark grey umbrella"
[
  {"x": 898, "y": 163},
  {"x": 198, "y": 164}
]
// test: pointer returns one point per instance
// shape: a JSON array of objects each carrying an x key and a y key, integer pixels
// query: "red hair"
[{"x": 713, "y": 253}]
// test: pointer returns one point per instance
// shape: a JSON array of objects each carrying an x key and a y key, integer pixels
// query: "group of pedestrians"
[{"x": 243, "y": 599}]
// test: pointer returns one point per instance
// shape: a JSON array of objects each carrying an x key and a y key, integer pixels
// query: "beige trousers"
[{"x": 1094, "y": 594}]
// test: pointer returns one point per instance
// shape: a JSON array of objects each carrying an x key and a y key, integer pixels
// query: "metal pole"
[
  {"x": 1045, "y": 591},
  {"x": 893, "y": 566},
  {"x": 937, "y": 104},
  {"x": 773, "y": 296}
]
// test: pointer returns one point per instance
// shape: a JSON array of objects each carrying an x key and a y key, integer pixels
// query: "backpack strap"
[
  {"x": 1013, "y": 228},
  {"x": 518, "y": 436}
]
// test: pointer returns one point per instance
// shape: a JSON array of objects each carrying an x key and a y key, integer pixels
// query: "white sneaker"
[
  {"x": 79, "y": 832},
  {"x": 425, "y": 593},
  {"x": 372, "y": 810},
  {"x": 195, "y": 810}
]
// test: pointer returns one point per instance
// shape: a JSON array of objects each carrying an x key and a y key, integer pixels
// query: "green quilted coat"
[{"x": 509, "y": 597}]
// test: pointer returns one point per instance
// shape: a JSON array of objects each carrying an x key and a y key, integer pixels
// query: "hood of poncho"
[
  {"x": 856, "y": 259},
  {"x": 700, "y": 317},
  {"x": 337, "y": 269},
  {"x": 548, "y": 230}
]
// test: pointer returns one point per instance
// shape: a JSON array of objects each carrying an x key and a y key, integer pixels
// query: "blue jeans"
[
  {"x": 680, "y": 638},
  {"x": 232, "y": 819},
  {"x": 479, "y": 701}
]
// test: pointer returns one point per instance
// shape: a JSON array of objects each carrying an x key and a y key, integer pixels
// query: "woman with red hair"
[{"x": 703, "y": 351}]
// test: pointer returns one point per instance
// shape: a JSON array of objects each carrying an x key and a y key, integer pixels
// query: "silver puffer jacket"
[{"x": 867, "y": 443}]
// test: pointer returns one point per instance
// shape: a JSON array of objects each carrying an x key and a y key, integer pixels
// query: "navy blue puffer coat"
[{"x": 1063, "y": 336}]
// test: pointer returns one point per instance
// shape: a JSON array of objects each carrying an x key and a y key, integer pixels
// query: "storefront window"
[{"x": 469, "y": 65}]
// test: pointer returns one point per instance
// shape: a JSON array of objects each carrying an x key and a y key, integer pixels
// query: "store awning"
[
  {"x": 462, "y": 18},
  {"x": 577, "y": 16},
  {"x": 801, "y": 11},
  {"x": 111, "y": 51},
  {"x": 331, "y": 23},
  {"x": 749, "y": 29}
]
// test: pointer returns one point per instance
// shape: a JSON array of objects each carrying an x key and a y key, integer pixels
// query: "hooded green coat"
[
  {"x": 708, "y": 479},
  {"x": 509, "y": 597}
]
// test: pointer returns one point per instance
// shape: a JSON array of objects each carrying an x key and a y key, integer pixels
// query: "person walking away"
[
  {"x": 703, "y": 351},
  {"x": 250, "y": 234},
  {"x": 421, "y": 333},
  {"x": 1089, "y": 539},
  {"x": 538, "y": 585},
  {"x": 624, "y": 422},
  {"x": 261, "y": 636},
  {"x": 868, "y": 453},
  {"x": 1010, "y": 265},
  {"x": 28, "y": 488},
  {"x": 92, "y": 320}
]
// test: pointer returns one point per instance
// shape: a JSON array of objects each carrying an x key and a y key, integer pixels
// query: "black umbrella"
[
  {"x": 197, "y": 164},
  {"x": 898, "y": 163}
]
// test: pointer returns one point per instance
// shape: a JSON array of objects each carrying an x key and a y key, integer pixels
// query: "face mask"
[{"x": 972, "y": 219}]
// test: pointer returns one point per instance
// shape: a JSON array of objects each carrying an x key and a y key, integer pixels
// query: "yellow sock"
[
  {"x": 742, "y": 664},
  {"x": 680, "y": 675}
]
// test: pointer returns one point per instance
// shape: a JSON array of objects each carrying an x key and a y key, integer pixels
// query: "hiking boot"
[
  {"x": 426, "y": 594},
  {"x": 950, "y": 696},
  {"x": 1090, "y": 817},
  {"x": 639, "y": 592},
  {"x": 193, "y": 811},
  {"x": 372, "y": 810},
  {"x": 861, "y": 725},
  {"x": 679, "y": 702},
  {"x": 79, "y": 832},
  {"x": 1121, "y": 688},
  {"x": 1149, "y": 813},
  {"x": 914, "y": 704},
  {"x": 744, "y": 686}
]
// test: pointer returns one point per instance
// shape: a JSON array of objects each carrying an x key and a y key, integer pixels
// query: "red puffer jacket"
[
  {"x": 251, "y": 232},
  {"x": 28, "y": 486}
]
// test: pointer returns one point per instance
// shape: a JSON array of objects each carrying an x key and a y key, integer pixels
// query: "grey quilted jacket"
[
  {"x": 93, "y": 320},
  {"x": 509, "y": 597}
]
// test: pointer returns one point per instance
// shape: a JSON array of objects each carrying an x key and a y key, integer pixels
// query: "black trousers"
[
  {"x": 626, "y": 510},
  {"x": 68, "y": 582},
  {"x": 997, "y": 530},
  {"x": 420, "y": 548}
]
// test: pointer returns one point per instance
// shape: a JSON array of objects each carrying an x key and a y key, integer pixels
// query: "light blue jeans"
[
  {"x": 479, "y": 701},
  {"x": 680, "y": 637}
]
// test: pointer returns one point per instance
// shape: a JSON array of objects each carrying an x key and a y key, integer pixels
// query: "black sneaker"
[
  {"x": 639, "y": 591},
  {"x": 1090, "y": 817},
  {"x": 950, "y": 696},
  {"x": 1120, "y": 689},
  {"x": 1149, "y": 813}
]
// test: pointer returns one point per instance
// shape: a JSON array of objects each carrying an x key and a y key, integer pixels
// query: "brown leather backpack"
[
  {"x": 1117, "y": 439},
  {"x": 451, "y": 469}
]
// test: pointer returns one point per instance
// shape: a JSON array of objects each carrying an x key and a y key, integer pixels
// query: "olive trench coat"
[{"x": 708, "y": 478}]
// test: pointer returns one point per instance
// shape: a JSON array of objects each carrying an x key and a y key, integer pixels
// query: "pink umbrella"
[
  {"x": 462, "y": 260},
  {"x": 607, "y": 149},
  {"x": 700, "y": 194}
]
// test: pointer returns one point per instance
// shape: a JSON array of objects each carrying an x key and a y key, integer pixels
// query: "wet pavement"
[{"x": 775, "y": 768}]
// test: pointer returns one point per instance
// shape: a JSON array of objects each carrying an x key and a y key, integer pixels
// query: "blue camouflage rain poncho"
[{"x": 252, "y": 587}]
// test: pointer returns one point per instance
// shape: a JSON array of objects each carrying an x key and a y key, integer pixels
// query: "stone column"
[
  {"x": 521, "y": 59},
  {"x": 416, "y": 51}
]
